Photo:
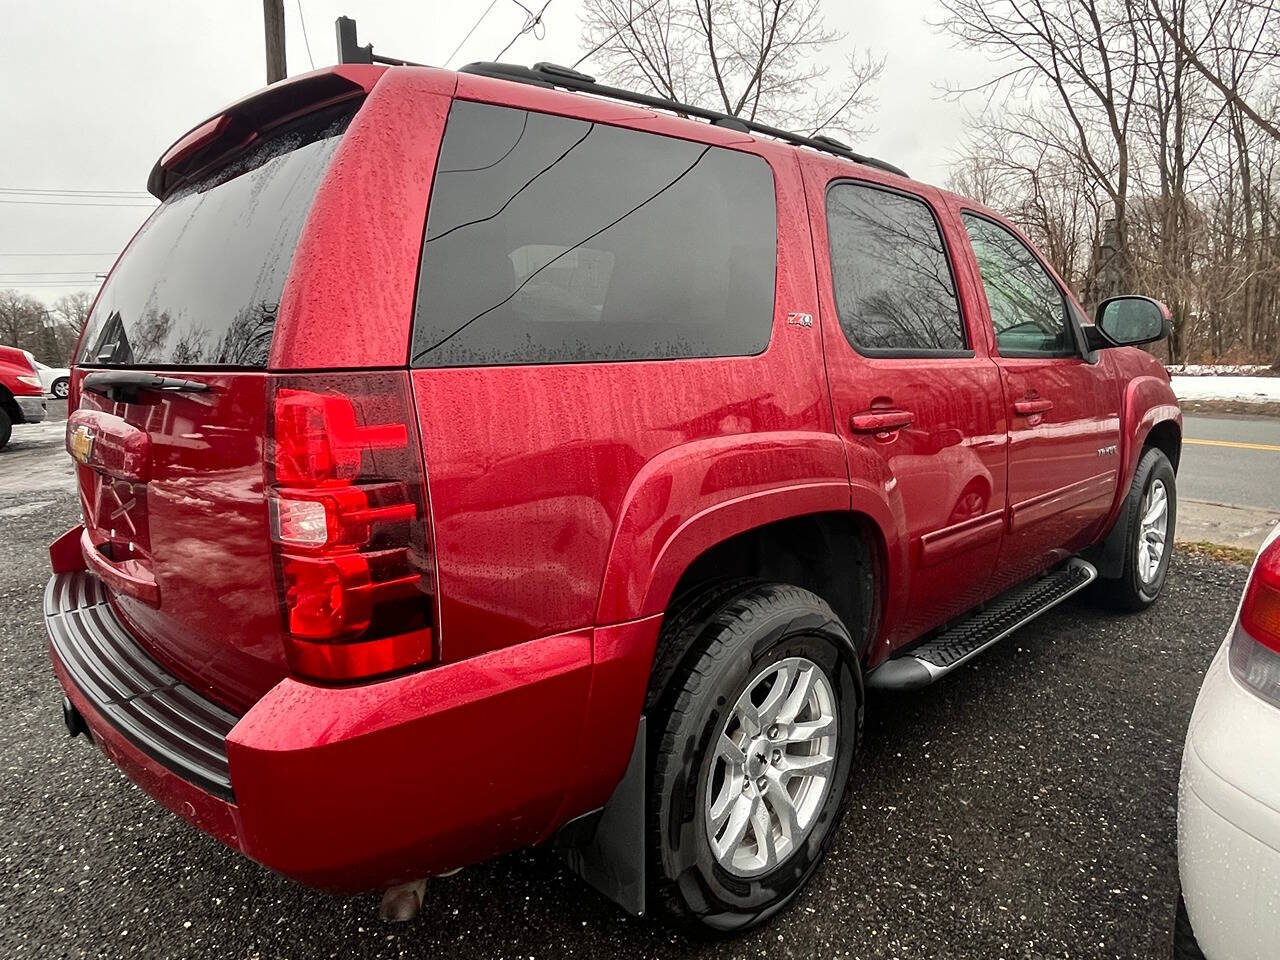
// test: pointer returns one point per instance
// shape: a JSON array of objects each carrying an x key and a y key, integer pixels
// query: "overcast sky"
[{"x": 94, "y": 92}]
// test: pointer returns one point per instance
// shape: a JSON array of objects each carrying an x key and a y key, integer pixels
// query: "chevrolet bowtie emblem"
[{"x": 80, "y": 443}]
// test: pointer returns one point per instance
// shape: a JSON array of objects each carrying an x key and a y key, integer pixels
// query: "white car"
[
  {"x": 55, "y": 380},
  {"x": 1229, "y": 793}
]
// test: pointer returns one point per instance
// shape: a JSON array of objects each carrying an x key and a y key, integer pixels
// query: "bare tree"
[
  {"x": 1229, "y": 44},
  {"x": 21, "y": 320},
  {"x": 758, "y": 59},
  {"x": 73, "y": 309},
  {"x": 1084, "y": 55},
  {"x": 1023, "y": 162},
  {"x": 70, "y": 313},
  {"x": 1140, "y": 116}
]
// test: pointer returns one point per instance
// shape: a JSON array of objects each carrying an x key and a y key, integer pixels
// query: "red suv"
[{"x": 468, "y": 463}]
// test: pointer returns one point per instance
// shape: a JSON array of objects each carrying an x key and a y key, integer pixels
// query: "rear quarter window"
[{"x": 555, "y": 240}]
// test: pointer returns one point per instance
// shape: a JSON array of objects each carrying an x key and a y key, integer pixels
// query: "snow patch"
[
  {"x": 25, "y": 509},
  {"x": 1212, "y": 369},
  {"x": 45, "y": 430},
  {"x": 1220, "y": 387}
]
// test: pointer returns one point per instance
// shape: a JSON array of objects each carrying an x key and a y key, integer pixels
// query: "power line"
[
  {"x": 609, "y": 39},
  {"x": 532, "y": 22},
  {"x": 303, "y": 21},
  {"x": 493, "y": 4},
  {"x": 41, "y": 191},
  {"x": 73, "y": 203},
  {"x": 46, "y": 284}
]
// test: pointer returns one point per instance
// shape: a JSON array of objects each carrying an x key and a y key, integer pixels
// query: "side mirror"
[{"x": 1129, "y": 321}]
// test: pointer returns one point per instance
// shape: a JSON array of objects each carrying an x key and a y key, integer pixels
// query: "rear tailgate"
[
  {"x": 173, "y": 412},
  {"x": 175, "y": 524}
]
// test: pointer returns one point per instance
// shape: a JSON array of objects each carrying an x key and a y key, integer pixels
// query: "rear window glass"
[
  {"x": 554, "y": 240},
  {"x": 201, "y": 283}
]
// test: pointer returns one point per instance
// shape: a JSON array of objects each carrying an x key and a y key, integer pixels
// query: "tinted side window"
[
  {"x": 554, "y": 240},
  {"x": 1027, "y": 308},
  {"x": 889, "y": 268}
]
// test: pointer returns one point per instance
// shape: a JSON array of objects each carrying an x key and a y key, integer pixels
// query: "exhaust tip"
[{"x": 72, "y": 720}]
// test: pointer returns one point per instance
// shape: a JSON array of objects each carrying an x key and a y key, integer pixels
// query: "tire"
[
  {"x": 687, "y": 613},
  {"x": 1185, "y": 946},
  {"x": 747, "y": 644},
  {"x": 1137, "y": 587},
  {"x": 61, "y": 387},
  {"x": 6, "y": 428}
]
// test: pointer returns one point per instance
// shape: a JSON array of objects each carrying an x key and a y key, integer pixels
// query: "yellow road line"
[{"x": 1272, "y": 447}]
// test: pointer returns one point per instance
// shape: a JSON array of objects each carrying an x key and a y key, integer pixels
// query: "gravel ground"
[{"x": 1023, "y": 808}]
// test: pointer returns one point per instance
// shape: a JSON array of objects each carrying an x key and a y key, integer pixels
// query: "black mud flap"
[{"x": 606, "y": 847}]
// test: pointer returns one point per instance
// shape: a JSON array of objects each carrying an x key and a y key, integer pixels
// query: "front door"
[
  {"x": 915, "y": 396},
  {"x": 1064, "y": 411}
]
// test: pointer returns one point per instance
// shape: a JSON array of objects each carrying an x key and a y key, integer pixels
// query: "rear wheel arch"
[
  {"x": 838, "y": 556},
  {"x": 1166, "y": 436}
]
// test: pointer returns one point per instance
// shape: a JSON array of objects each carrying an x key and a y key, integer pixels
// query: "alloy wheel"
[
  {"x": 771, "y": 767},
  {"x": 1153, "y": 531}
]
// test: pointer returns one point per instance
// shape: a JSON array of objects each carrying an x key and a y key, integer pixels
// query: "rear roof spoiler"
[{"x": 215, "y": 140}]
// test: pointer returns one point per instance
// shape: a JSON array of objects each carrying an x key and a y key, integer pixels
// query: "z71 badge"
[{"x": 799, "y": 320}]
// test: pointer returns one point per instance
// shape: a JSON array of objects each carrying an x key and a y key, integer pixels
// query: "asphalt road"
[
  {"x": 1231, "y": 459},
  {"x": 1023, "y": 808}
]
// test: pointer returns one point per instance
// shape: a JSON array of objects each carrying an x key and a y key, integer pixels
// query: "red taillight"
[
  {"x": 1255, "y": 646},
  {"x": 348, "y": 517},
  {"x": 1260, "y": 612}
]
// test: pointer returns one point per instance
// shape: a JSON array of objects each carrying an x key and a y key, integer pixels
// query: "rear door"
[
  {"x": 1064, "y": 410},
  {"x": 172, "y": 413},
  {"x": 915, "y": 397}
]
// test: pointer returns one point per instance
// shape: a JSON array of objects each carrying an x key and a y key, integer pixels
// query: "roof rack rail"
[
  {"x": 554, "y": 75},
  {"x": 349, "y": 51}
]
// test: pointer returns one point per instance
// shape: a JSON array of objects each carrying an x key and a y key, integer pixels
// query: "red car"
[
  {"x": 21, "y": 393},
  {"x": 469, "y": 463}
]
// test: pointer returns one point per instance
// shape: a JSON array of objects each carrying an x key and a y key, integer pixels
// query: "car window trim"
[
  {"x": 900, "y": 353},
  {"x": 1072, "y": 324}
]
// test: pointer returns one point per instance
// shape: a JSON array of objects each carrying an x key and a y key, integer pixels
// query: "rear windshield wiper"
[{"x": 123, "y": 385}]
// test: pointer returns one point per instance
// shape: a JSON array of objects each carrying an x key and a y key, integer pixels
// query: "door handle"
[
  {"x": 1029, "y": 408},
  {"x": 880, "y": 421}
]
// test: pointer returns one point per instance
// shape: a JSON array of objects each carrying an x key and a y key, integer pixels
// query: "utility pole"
[
  {"x": 49, "y": 346},
  {"x": 273, "y": 24}
]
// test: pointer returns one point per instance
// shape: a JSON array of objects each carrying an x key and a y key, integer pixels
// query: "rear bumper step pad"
[
  {"x": 161, "y": 716},
  {"x": 942, "y": 653}
]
